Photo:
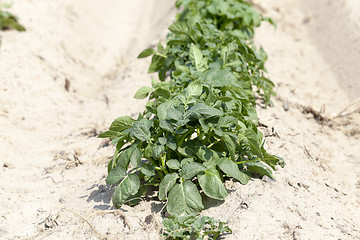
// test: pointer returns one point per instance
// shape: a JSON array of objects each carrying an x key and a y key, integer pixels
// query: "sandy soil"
[{"x": 74, "y": 70}]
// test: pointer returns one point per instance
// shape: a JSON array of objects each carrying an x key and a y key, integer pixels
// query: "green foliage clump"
[
  {"x": 193, "y": 227},
  {"x": 199, "y": 127}
]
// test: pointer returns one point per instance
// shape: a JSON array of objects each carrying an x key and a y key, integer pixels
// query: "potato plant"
[
  {"x": 8, "y": 20},
  {"x": 199, "y": 127}
]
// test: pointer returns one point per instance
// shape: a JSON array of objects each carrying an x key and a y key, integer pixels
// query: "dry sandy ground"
[{"x": 75, "y": 70}]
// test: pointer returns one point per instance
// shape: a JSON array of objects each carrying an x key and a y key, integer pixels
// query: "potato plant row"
[{"x": 199, "y": 127}]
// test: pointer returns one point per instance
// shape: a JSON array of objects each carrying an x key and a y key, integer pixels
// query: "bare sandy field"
[{"x": 74, "y": 70}]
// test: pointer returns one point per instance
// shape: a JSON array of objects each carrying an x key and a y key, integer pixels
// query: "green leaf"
[
  {"x": 162, "y": 92},
  {"x": 220, "y": 78},
  {"x": 112, "y": 135},
  {"x": 146, "y": 53},
  {"x": 148, "y": 169},
  {"x": 259, "y": 167},
  {"x": 115, "y": 175},
  {"x": 175, "y": 114},
  {"x": 189, "y": 171},
  {"x": 227, "y": 121},
  {"x": 201, "y": 110},
  {"x": 179, "y": 28},
  {"x": 230, "y": 168},
  {"x": 135, "y": 199},
  {"x": 184, "y": 198},
  {"x": 143, "y": 92},
  {"x": 141, "y": 129},
  {"x": 186, "y": 161},
  {"x": 167, "y": 125},
  {"x": 121, "y": 123},
  {"x": 157, "y": 62},
  {"x": 210, "y": 182},
  {"x": 131, "y": 154},
  {"x": 205, "y": 154},
  {"x": 163, "y": 108},
  {"x": 197, "y": 57},
  {"x": 254, "y": 142},
  {"x": 194, "y": 89},
  {"x": 230, "y": 145},
  {"x": 127, "y": 187},
  {"x": 189, "y": 148},
  {"x": 173, "y": 164},
  {"x": 166, "y": 184},
  {"x": 160, "y": 48},
  {"x": 157, "y": 151}
]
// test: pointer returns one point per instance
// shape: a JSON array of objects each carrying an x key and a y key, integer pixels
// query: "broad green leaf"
[
  {"x": 135, "y": 199},
  {"x": 146, "y": 53},
  {"x": 115, "y": 175},
  {"x": 181, "y": 122},
  {"x": 179, "y": 28},
  {"x": 210, "y": 182},
  {"x": 157, "y": 151},
  {"x": 224, "y": 54},
  {"x": 162, "y": 140},
  {"x": 270, "y": 160},
  {"x": 184, "y": 198},
  {"x": 148, "y": 169},
  {"x": 162, "y": 92},
  {"x": 227, "y": 121},
  {"x": 183, "y": 69},
  {"x": 190, "y": 170},
  {"x": 173, "y": 164},
  {"x": 259, "y": 167},
  {"x": 175, "y": 114},
  {"x": 201, "y": 110},
  {"x": 121, "y": 123},
  {"x": 127, "y": 187},
  {"x": 220, "y": 78},
  {"x": 171, "y": 144},
  {"x": 141, "y": 129},
  {"x": 254, "y": 142},
  {"x": 160, "y": 48},
  {"x": 208, "y": 123},
  {"x": 194, "y": 89},
  {"x": 157, "y": 62},
  {"x": 230, "y": 168},
  {"x": 204, "y": 153},
  {"x": 163, "y": 108},
  {"x": 147, "y": 152},
  {"x": 186, "y": 161},
  {"x": 197, "y": 57},
  {"x": 143, "y": 92},
  {"x": 230, "y": 145},
  {"x": 189, "y": 148},
  {"x": 167, "y": 125},
  {"x": 166, "y": 184},
  {"x": 131, "y": 154},
  {"x": 113, "y": 135},
  {"x": 135, "y": 157}
]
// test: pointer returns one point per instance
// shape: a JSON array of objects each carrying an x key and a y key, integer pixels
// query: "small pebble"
[{"x": 286, "y": 106}]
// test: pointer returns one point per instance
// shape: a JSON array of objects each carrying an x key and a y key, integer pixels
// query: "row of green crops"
[{"x": 199, "y": 127}]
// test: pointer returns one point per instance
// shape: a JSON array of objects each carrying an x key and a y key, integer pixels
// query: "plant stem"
[{"x": 158, "y": 170}]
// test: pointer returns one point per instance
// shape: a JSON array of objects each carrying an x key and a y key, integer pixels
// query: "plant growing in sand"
[
  {"x": 199, "y": 127},
  {"x": 8, "y": 20}
]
